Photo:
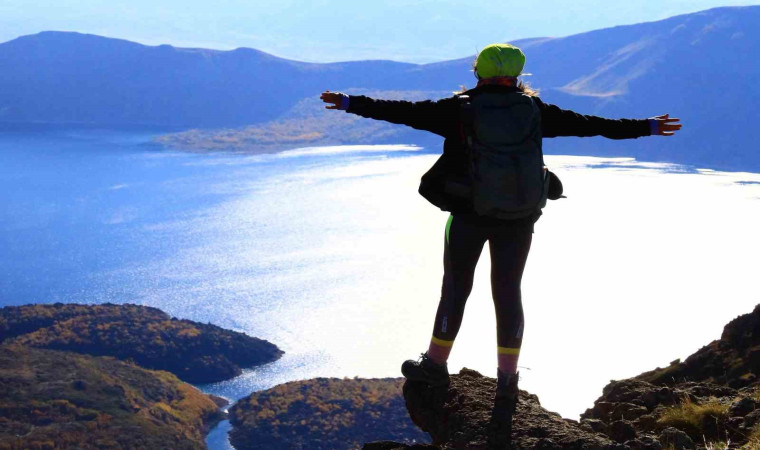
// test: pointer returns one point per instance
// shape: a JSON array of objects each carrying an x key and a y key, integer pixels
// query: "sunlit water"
[{"x": 330, "y": 254}]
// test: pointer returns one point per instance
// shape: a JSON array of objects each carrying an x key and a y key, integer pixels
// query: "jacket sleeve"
[
  {"x": 439, "y": 117},
  {"x": 562, "y": 122}
]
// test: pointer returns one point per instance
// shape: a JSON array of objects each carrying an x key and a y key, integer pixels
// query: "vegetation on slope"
[
  {"x": 18, "y": 320},
  {"x": 323, "y": 413},
  {"x": 697, "y": 419},
  {"x": 195, "y": 352},
  {"x": 307, "y": 124},
  {"x": 51, "y": 399}
]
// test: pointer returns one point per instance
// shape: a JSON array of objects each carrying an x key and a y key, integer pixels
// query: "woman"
[{"x": 449, "y": 184}]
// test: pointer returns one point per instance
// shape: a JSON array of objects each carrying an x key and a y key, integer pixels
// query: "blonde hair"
[{"x": 527, "y": 89}]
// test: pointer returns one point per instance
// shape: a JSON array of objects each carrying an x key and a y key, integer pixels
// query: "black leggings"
[{"x": 509, "y": 245}]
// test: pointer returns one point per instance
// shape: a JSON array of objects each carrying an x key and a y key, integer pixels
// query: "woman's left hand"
[{"x": 666, "y": 125}]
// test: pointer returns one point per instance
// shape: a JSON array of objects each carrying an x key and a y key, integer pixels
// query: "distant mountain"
[
  {"x": 72, "y": 77},
  {"x": 700, "y": 67}
]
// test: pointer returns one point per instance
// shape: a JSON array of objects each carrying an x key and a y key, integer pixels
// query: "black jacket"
[{"x": 442, "y": 117}]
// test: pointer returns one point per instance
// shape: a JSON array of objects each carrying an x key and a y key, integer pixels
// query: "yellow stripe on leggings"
[
  {"x": 509, "y": 351},
  {"x": 441, "y": 342}
]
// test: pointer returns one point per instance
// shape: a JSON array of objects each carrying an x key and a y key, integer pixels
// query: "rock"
[
  {"x": 742, "y": 407},
  {"x": 676, "y": 438},
  {"x": 545, "y": 443},
  {"x": 629, "y": 411},
  {"x": 734, "y": 424},
  {"x": 647, "y": 422},
  {"x": 752, "y": 418},
  {"x": 629, "y": 400},
  {"x": 621, "y": 431},
  {"x": 390, "y": 445},
  {"x": 706, "y": 390},
  {"x": 654, "y": 397},
  {"x": 644, "y": 443},
  {"x": 594, "y": 425},
  {"x": 603, "y": 410},
  {"x": 460, "y": 416}
]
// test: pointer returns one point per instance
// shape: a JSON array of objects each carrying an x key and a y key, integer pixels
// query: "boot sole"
[{"x": 422, "y": 379}]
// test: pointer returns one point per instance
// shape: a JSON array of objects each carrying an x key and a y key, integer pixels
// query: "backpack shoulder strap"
[{"x": 466, "y": 119}]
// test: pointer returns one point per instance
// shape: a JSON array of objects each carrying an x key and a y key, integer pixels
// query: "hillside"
[
  {"x": 733, "y": 360},
  {"x": 694, "y": 66},
  {"x": 323, "y": 413},
  {"x": 51, "y": 399},
  {"x": 64, "y": 77},
  {"x": 307, "y": 124},
  {"x": 195, "y": 352}
]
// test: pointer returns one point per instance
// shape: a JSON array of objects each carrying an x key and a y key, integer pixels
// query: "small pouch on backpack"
[{"x": 555, "y": 189}]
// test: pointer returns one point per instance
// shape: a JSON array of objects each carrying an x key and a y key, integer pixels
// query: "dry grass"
[
  {"x": 697, "y": 420},
  {"x": 69, "y": 400},
  {"x": 753, "y": 442}
]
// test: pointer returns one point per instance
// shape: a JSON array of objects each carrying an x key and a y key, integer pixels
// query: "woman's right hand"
[
  {"x": 666, "y": 125},
  {"x": 333, "y": 98}
]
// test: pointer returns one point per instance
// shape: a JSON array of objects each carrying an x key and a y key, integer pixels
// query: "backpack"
[{"x": 502, "y": 132}]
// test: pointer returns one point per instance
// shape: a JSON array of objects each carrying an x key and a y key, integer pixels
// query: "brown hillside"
[
  {"x": 195, "y": 352},
  {"x": 51, "y": 399},
  {"x": 323, "y": 413}
]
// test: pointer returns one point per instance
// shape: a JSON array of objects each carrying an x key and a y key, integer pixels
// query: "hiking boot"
[
  {"x": 426, "y": 371},
  {"x": 506, "y": 386},
  {"x": 505, "y": 404}
]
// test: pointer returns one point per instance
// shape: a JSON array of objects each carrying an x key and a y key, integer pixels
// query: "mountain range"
[{"x": 699, "y": 67}]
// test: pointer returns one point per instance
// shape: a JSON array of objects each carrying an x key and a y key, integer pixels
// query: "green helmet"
[{"x": 499, "y": 60}]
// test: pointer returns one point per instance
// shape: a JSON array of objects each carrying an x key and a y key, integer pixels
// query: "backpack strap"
[{"x": 466, "y": 120}]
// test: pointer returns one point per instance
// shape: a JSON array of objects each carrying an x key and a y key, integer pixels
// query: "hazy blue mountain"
[{"x": 700, "y": 67}]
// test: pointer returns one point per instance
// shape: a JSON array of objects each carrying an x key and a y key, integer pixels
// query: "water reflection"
[{"x": 331, "y": 255}]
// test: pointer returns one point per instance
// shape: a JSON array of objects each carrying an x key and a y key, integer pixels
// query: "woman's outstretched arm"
[
  {"x": 562, "y": 122},
  {"x": 439, "y": 117}
]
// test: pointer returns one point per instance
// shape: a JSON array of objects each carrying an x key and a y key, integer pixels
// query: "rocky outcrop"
[
  {"x": 713, "y": 396},
  {"x": 732, "y": 360},
  {"x": 195, "y": 352},
  {"x": 462, "y": 416},
  {"x": 683, "y": 415},
  {"x": 52, "y": 399}
]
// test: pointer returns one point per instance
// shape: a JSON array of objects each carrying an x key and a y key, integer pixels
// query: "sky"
[{"x": 418, "y": 31}]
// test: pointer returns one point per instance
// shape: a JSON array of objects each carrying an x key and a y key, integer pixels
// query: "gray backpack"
[{"x": 503, "y": 136}]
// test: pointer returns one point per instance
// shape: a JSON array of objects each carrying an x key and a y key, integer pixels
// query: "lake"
[{"x": 330, "y": 254}]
